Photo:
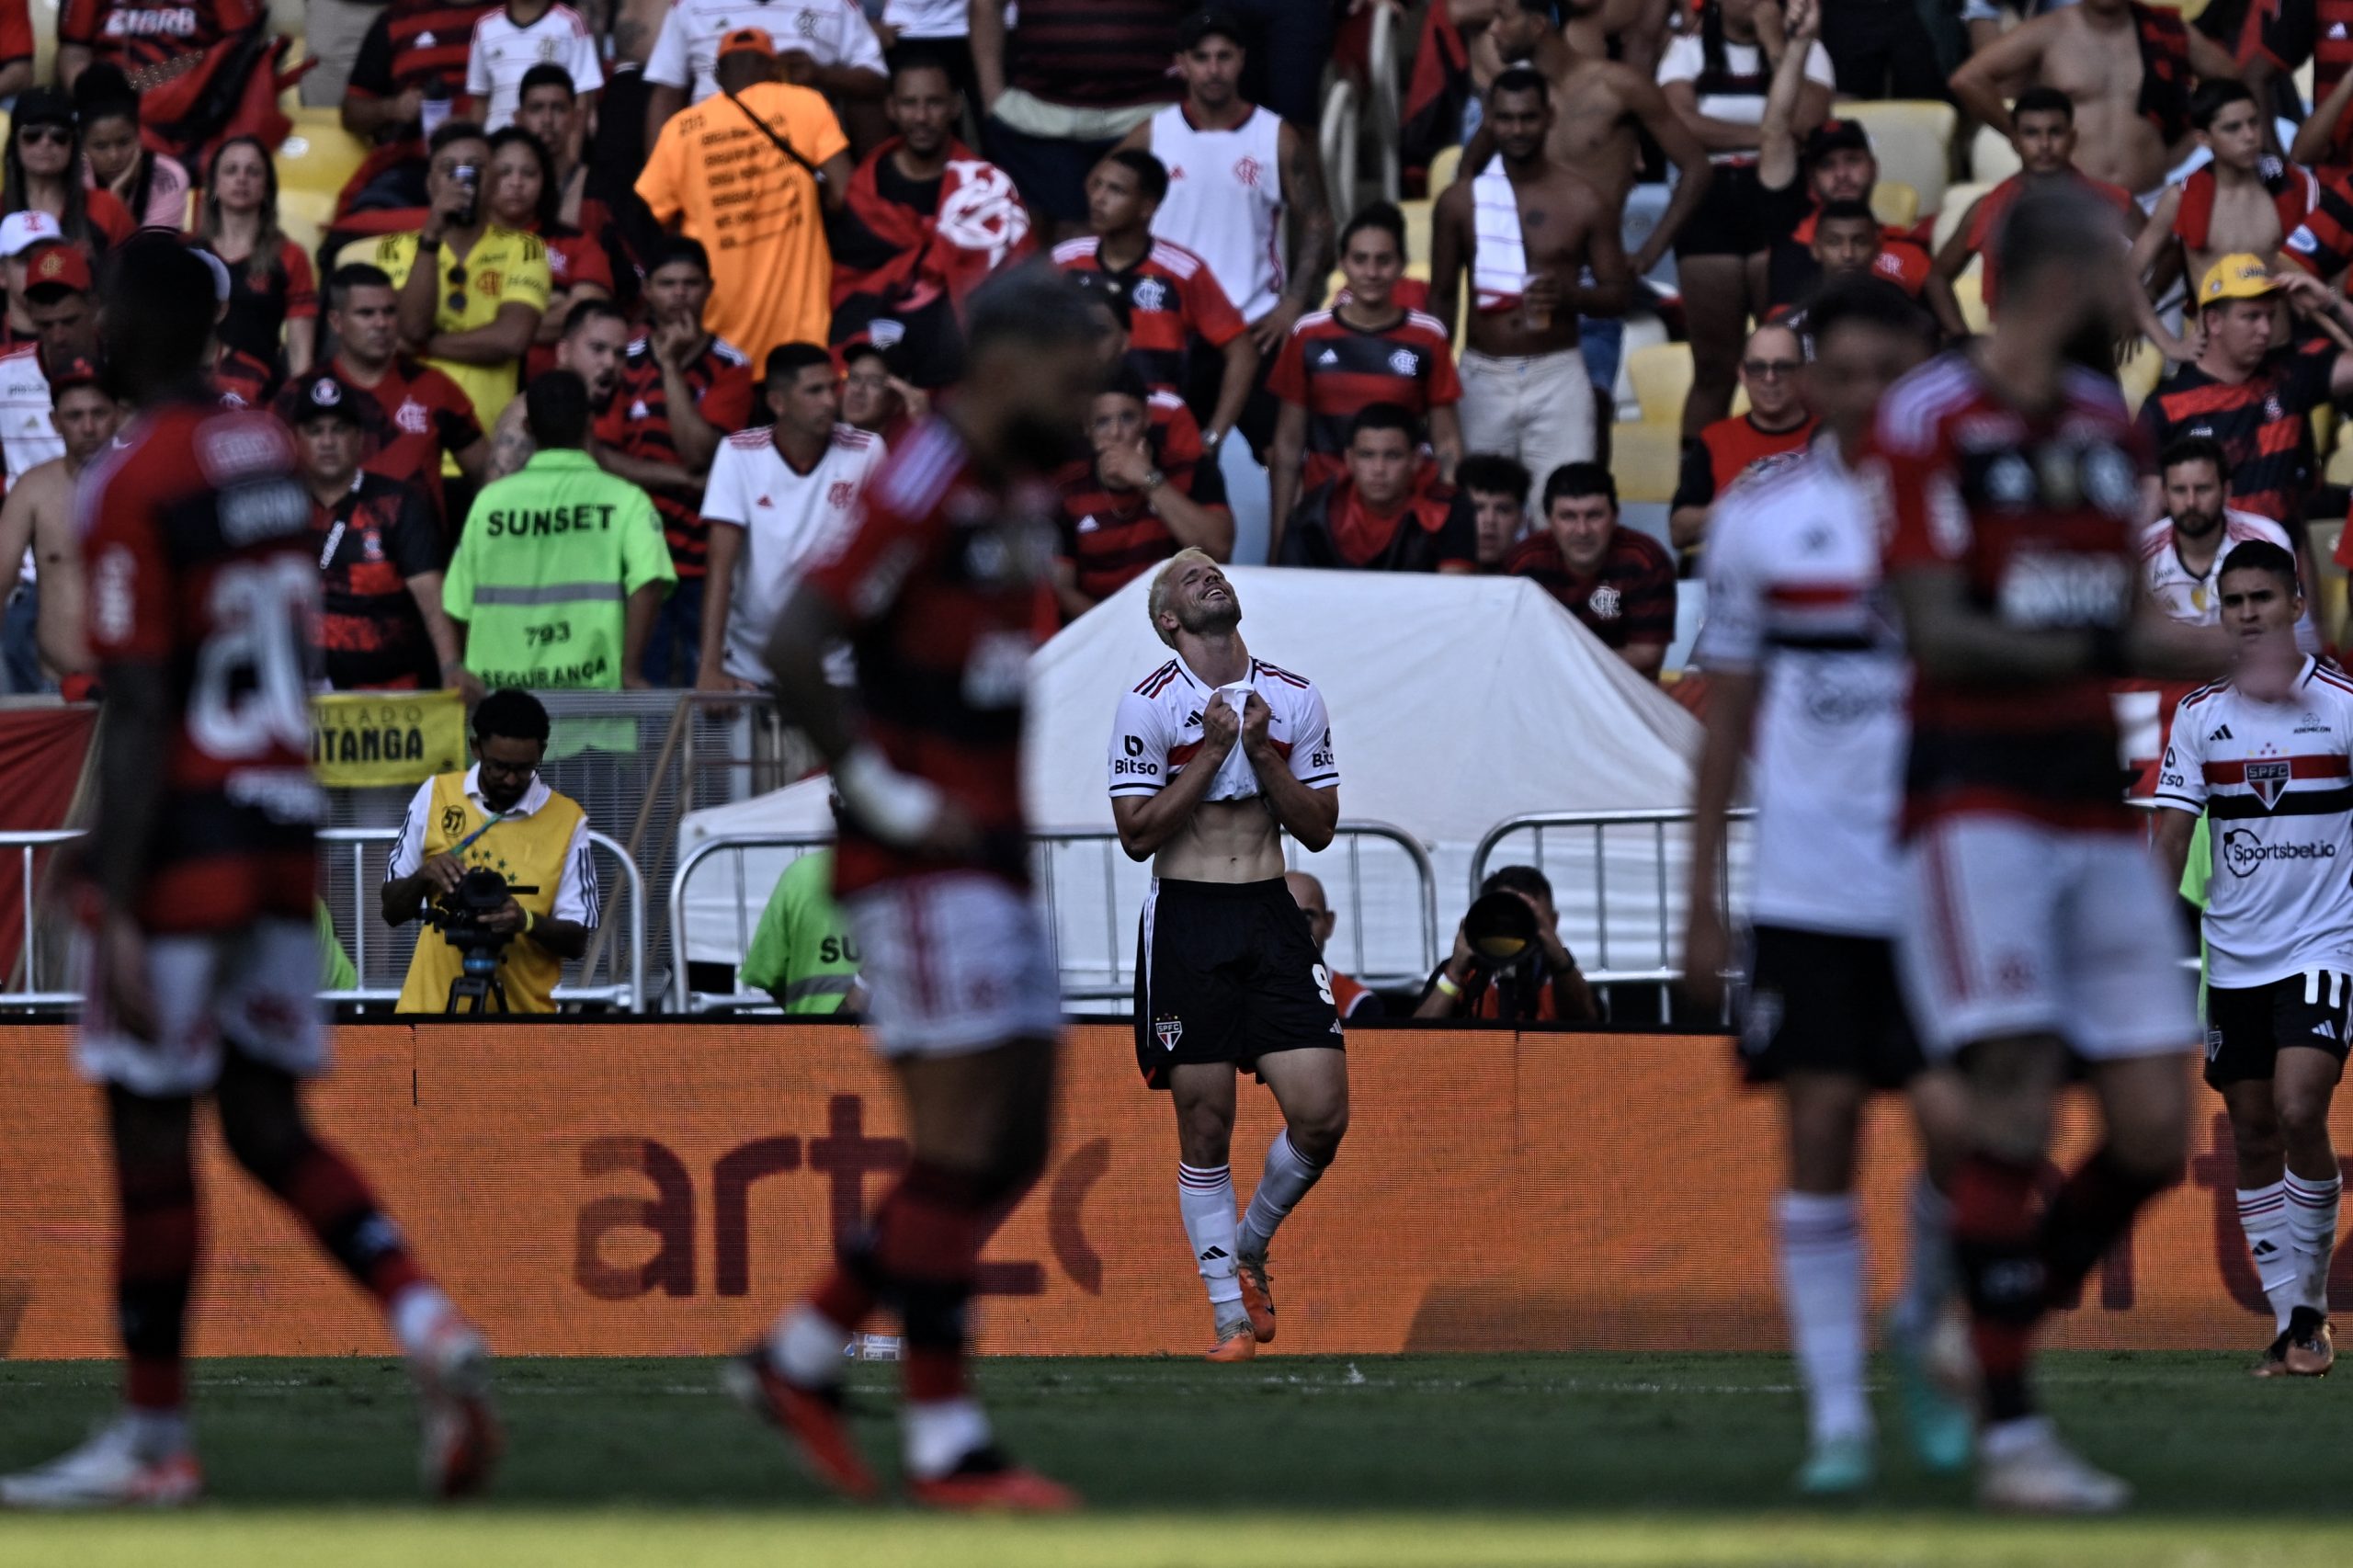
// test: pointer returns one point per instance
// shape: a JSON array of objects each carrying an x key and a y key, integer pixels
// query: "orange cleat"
[
  {"x": 986, "y": 1483},
  {"x": 1238, "y": 1342},
  {"x": 1257, "y": 1296},
  {"x": 810, "y": 1417},
  {"x": 2310, "y": 1353}
]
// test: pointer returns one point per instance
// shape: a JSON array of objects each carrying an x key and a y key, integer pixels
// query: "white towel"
[{"x": 1499, "y": 265}]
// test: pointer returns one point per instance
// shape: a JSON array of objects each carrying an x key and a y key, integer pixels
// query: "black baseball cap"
[
  {"x": 320, "y": 395},
  {"x": 1211, "y": 20},
  {"x": 43, "y": 106},
  {"x": 1835, "y": 136}
]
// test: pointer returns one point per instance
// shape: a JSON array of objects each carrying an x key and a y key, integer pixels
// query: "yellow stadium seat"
[
  {"x": 2340, "y": 464},
  {"x": 2140, "y": 373},
  {"x": 1969, "y": 293},
  {"x": 1959, "y": 200},
  {"x": 304, "y": 215},
  {"x": 2325, "y": 430},
  {"x": 319, "y": 155},
  {"x": 1417, "y": 229},
  {"x": 44, "y": 18},
  {"x": 1444, "y": 167},
  {"x": 1896, "y": 204},
  {"x": 1912, "y": 141},
  {"x": 1661, "y": 378},
  {"x": 1990, "y": 156},
  {"x": 1646, "y": 460}
]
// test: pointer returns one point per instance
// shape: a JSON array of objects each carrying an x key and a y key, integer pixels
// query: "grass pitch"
[{"x": 1309, "y": 1462}]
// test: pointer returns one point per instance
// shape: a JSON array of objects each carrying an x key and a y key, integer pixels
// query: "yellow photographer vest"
[{"x": 528, "y": 852}]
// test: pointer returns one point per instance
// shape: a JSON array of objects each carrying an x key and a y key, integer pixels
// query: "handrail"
[
  {"x": 1388, "y": 92},
  {"x": 27, "y": 843}
]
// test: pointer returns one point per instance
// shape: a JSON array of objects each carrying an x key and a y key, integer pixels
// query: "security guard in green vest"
[
  {"x": 561, "y": 568},
  {"x": 501, "y": 814}
]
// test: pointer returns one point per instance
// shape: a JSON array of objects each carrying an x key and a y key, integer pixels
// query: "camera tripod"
[{"x": 472, "y": 993}]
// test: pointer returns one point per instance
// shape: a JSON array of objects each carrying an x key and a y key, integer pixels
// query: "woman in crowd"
[
  {"x": 43, "y": 171},
  {"x": 524, "y": 195},
  {"x": 152, "y": 188},
  {"x": 272, "y": 290}
]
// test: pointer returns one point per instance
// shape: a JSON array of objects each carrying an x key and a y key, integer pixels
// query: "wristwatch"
[{"x": 1153, "y": 480}]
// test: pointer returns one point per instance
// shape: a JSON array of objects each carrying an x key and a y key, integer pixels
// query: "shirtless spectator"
[
  {"x": 1526, "y": 394},
  {"x": 2043, "y": 128},
  {"x": 2128, "y": 70},
  {"x": 1498, "y": 490},
  {"x": 1775, "y": 427},
  {"x": 38, "y": 513},
  {"x": 1603, "y": 108},
  {"x": 2246, "y": 201},
  {"x": 1717, "y": 77}
]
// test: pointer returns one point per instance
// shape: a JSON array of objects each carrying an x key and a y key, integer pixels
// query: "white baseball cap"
[{"x": 19, "y": 231}]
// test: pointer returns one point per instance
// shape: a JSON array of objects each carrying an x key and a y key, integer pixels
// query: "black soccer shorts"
[
  {"x": 1227, "y": 971},
  {"x": 1824, "y": 1004},
  {"x": 2247, "y": 1026}
]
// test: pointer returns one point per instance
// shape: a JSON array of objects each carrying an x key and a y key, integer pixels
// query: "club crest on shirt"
[
  {"x": 1150, "y": 294},
  {"x": 411, "y": 417},
  {"x": 1405, "y": 362},
  {"x": 1604, "y": 603},
  {"x": 2268, "y": 781},
  {"x": 1167, "y": 1030},
  {"x": 839, "y": 494}
]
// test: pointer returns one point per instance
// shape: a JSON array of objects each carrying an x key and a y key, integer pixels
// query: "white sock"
[
  {"x": 2311, "y": 1232},
  {"x": 156, "y": 1434},
  {"x": 1821, "y": 1286},
  {"x": 1928, "y": 1282},
  {"x": 1285, "y": 1181},
  {"x": 939, "y": 1434},
  {"x": 415, "y": 1314},
  {"x": 1206, "y": 1199},
  {"x": 2263, "y": 1219},
  {"x": 808, "y": 1345}
]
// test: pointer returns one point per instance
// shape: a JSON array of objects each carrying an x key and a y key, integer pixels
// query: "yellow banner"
[{"x": 361, "y": 739}]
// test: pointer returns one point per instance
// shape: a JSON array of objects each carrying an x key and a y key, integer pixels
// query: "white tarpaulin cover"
[{"x": 1455, "y": 701}]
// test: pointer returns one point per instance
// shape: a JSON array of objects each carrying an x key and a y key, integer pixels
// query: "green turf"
[{"x": 1635, "y": 1459}]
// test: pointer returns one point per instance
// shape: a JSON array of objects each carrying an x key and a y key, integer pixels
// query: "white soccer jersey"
[
  {"x": 2273, "y": 779},
  {"x": 504, "y": 51},
  {"x": 1158, "y": 730},
  {"x": 1794, "y": 593},
  {"x": 831, "y": 32},
  {"x": 788, "y": 521},
  {"x": 2197, "y": 600},
  {"x": 1225, "y": 202},
  {"x": 27, "y": 437}
]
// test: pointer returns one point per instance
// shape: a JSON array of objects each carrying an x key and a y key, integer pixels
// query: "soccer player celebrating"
[
  {"x": 2034, "y": 925},
  {"x": 1214, "y": 756},
  {"x": 2265, "y": 756},
  {"x": 938, "y": 590},
  {"x": 202, "y": 956},
  {"x": 1807, "y": 674}
]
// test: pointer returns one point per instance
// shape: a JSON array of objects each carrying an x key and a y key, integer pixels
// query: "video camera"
[
  {"x": 1501, "y": 930},
  {"x": 462, "y": 919}
]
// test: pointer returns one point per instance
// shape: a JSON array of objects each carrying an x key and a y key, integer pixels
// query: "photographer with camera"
[
  {"x": 1509, "y": 961},
  {"x": 499, "y": 863}
]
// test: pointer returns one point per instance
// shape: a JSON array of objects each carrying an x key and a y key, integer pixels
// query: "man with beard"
[
  {"x": 595, "y": 339},
  {"x": 1214, "y": 756},
  {"x": 923, "y": 221},
  {"x": 2182, "y": 552}
]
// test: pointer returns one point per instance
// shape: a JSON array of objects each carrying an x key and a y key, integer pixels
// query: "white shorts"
[
  {"x": 255, "y": 988},
  {"x": 1536, "y": 409},
  {"x": 2012, "y": 928},
  {"x": 954, "y": 963}
]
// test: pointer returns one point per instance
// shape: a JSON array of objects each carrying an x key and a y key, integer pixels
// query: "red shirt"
[
  {"x": 943, "y": 585},
  {"x": 1986, "y": 221},
  {"x": 415, "y": 43},
  {"x": 2037, "y": 510},
  {"x": 1335, "y": 371},
  {"x": 1730, "y": 450},
  {"x": 15, "y": 31},
  {"x": 2289, "y": 32},
  {"x": 414, "y": 415},
  {"x": 240, "y": 380},
  {"x": 1167, "y": 299},
  {"x": 139, "y": 35},
  {"x": 369, "y": 543},
  {"x": 1110, "y": 535},
  {"x": 226, "y": 613},
  {"x": 637, "y": 424},
  {"x": 1629, "y": 597}
]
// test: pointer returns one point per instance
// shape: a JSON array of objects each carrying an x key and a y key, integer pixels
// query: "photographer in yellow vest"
[{"x": 498, "y": 816}]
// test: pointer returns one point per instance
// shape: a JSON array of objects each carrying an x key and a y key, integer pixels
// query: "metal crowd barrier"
[
  {"x": 25, "y": 991},
  {"x": 1118, "y": 933}
]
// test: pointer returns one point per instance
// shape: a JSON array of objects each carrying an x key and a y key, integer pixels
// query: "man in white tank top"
[{"x": 1234, "y": 170}]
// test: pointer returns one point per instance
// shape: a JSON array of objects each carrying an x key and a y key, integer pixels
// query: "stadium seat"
[
  {"x": 1990, "y": 156},
  {"x": 1417, "y": 230},
  {"x": 1914, "y": 143},
  {"x": 1643, "y": 330},
  {"x": 1969, "y": 292},
  {"x": 2140, "y": 373},
  {"x": 1959, "y": 200},
  {"x": 1661, "y": 376},
  {"x": 1896, "y": 204},
  {"x": 1647, "y": 461},
  {"x": 304, "y": 216},
  {"x": 1443, "y": 168},
  {"x": 2339, "y": 467},
  {"x": 320, "y": 155}
]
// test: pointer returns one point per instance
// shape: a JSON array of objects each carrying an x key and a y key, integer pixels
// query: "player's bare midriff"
[{"x": 1223, "y": 841}]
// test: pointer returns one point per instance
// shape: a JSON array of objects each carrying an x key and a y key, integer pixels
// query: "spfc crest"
[
  {"x": 1169, "y": 1031},
  {"x": 2268, "y": 781}
]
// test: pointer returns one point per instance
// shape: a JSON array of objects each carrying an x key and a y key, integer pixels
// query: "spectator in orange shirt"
[
  {"x": 1348, "y": 995},
  {"x": 1776, "y": 425},
  {"x": 753, "y": 187}
]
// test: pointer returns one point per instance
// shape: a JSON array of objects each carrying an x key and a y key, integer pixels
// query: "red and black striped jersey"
[
  {"x": 943, "y": 585},
  {"x": 376, "y": 537},
  {"x": 1335, "y": 371},
  {"x": 138, "y": 35},
  {"x": 413, "y": 416},
  {"x": 415, "y": 43},
  {"x": 1097, "y": 53},
  {"x": 240, "y": 380},
  {"x": 196, "y": 537},
  {"x": 1167, "y": 299},
  {"x": 2323, "y": 246},
  {"x": 2263, "y": 423},
  {"x": 1111, "y": 536},
  {"x": 1628, "y": 597},
  {"x": 2037, "y": 511},
  {"x": 2289, "y": 32},
  {"x": 637, "y": 424}
]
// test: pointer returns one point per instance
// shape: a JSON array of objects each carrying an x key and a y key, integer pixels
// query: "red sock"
[
  {"x": 844, "y": 1300},
  {"x": 928, "y": 1239},
  {"x": 1994, "y": 1236},
  {"x": 332, "y": 1198},
  {"x": 155, "y": 1257}
]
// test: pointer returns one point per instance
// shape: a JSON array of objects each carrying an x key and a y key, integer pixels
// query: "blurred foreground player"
[
  {"x": 1808, "y": 676},
  {"x": 2265, "y": 756},
  {"x": 1214, "y": 756},
  {"x": 941, "y": 591},
  {"x": 202, "y": 949},
  {"x": 2035, "y": 925}
]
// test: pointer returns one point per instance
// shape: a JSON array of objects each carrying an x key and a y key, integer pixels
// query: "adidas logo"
[
  {"x": 762, "y": 501},
  {"x": 2221, "y": 735},
  {"x": 1087, "y": 525},
  {"x": 2264, "y": 1249},
  {"x": 1328, "y": 357},
  {"x": 1213, "y": 1255},
  {"x": 425, "y": 40},
  {"x": 2325, "y": 1030},
  {"x": 2337, "y": 30}
]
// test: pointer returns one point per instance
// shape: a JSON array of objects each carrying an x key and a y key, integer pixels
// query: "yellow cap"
[{"x": 2238, "y": 277}]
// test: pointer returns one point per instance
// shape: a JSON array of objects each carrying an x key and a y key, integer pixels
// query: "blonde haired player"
[{"x": 1214, "y": 756}]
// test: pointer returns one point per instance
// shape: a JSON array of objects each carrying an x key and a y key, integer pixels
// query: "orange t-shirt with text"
[{"x": 755, "y": 210}]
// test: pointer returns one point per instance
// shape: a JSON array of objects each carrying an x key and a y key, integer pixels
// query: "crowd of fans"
[{"x": 685, "y": 269}]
